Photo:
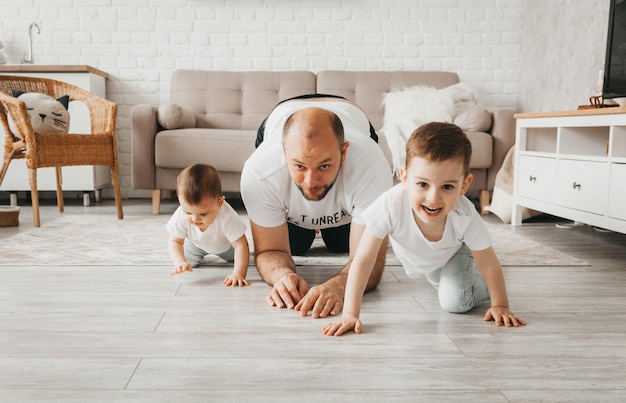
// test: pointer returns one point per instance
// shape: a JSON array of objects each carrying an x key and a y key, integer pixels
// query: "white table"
[{"x": 572, "y": 165}]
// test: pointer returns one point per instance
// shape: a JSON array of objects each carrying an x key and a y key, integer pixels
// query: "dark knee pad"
[
  {"x": 337, "y": 239},
  {"x": 300, "y": 239}
]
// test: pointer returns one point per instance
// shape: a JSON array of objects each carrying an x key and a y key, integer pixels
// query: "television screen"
[{"x": 615, "y": 63}]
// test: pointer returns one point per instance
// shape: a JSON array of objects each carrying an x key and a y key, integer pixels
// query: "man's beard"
[{"x": 328, "y": 188}]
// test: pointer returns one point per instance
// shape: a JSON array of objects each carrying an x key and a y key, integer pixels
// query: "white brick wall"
[
  {"x": 140, "y": 42},
  {"x": 559, "y": 61}
]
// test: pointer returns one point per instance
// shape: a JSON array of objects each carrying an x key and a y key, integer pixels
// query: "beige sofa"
[{"x": 229, "y": 106}]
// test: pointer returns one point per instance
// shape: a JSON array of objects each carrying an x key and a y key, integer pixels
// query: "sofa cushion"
[
  {"x": 226, "y": 150},
  {"x": 237, "y": 100},
  {"x": 482, "y": 149}
]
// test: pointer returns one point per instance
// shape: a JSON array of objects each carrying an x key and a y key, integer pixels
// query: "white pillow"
[
  {"x": 408, "y": 109},
  {"x": 420, "y": 103},
  {"x": 463, "y": 95}
]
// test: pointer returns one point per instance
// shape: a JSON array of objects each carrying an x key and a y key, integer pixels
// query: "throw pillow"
[
  {"x": 47, "y": 115},
  {"x": 474, "y": 119},
  {"x": 469, "y": 115},
  {"x": 173, "y": 116}
]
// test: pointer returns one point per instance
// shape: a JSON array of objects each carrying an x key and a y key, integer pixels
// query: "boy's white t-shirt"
[
  {"x": 271, "y": 196},
  {"x": 391, "y": 215},
  {"x": 217, "y": 238}
]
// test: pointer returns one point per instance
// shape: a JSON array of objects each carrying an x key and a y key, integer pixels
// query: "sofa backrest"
[
  {"x": 366, "y": 88},
  {"x": 236, "y": 99}
]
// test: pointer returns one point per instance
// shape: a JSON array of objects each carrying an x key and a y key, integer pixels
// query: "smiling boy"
[{"x": 434, "y": 230}]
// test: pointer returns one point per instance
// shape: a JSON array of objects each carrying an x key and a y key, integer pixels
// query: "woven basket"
[{"x": 9, "y": 216}]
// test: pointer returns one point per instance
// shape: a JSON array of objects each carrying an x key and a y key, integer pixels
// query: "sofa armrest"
[
  {"x": 503, "y": 132},
  {"x": 144, "y": 127}
]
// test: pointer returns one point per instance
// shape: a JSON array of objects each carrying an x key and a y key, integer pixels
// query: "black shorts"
[
  {"x": 336, "y": 239},
  {"x": 261, "y": 131}
]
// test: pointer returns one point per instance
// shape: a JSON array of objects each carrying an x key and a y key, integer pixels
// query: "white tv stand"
[{"x": 572, "y": 165}]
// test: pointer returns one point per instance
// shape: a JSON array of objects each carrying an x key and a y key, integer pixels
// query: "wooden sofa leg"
[
  {"x": 156, "y": 201},
  {"x": 484, "y": 201}
]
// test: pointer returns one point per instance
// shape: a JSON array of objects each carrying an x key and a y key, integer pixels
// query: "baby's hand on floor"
[
  {"x": 181, "y": 267},
  {"x": 235, "y": 281}
]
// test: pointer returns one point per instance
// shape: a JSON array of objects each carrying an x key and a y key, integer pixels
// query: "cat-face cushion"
[
  {"x": 173, "y": 116},
  {"x": 47, "y": 115}
]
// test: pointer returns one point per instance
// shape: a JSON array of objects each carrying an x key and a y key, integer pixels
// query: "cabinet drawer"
[
  {"x": 536, "y": 177},
  {"x": 617, "y": 192},
  {"x": 583, "y": 185}
]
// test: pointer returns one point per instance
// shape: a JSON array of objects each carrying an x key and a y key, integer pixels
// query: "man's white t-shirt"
[
  {"x": 217, "y": 238},
  {"x": 272, "y": 198},
  {"x": 391, "y": 215}
]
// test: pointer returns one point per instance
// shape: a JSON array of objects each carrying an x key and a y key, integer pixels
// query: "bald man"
[{"x": 317, "y": 167}]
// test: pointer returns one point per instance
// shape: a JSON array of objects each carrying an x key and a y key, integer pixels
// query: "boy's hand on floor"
[
  {"x": 503, "y": 316},
  {"x": 339, "y": 327}
]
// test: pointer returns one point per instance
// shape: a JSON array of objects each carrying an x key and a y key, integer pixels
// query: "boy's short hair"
[
  {"x": 439, "y": 141},
  {"x": 197, "y": 182}
]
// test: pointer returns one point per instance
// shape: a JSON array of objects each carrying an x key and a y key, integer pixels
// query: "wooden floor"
[{"x": 135, "y": 334}]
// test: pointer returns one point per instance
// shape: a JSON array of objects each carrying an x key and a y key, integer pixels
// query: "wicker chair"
[{"x": 58, "y": 150}]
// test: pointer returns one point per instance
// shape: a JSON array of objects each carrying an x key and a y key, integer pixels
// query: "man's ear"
[
  {"x": 466, "y": 183},
  {"x": 220, "y": 201},
  {"x": 344, "y": 151}
]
